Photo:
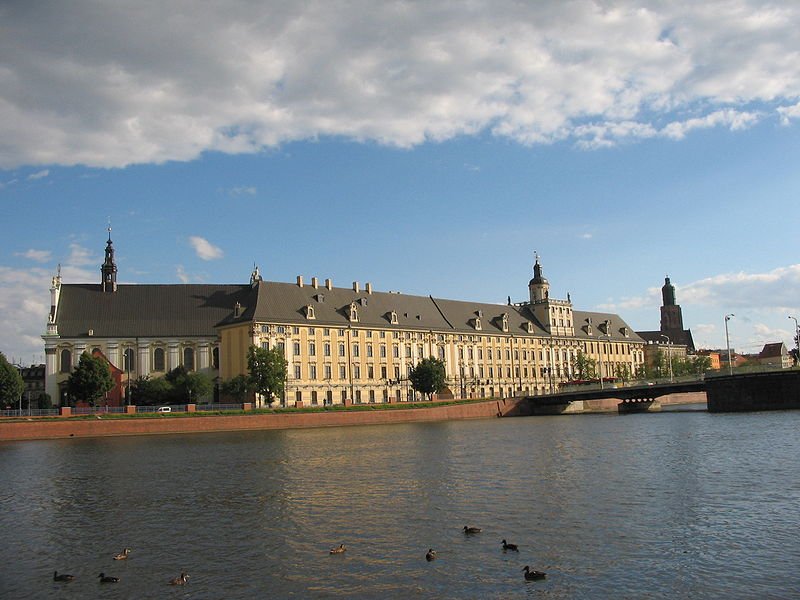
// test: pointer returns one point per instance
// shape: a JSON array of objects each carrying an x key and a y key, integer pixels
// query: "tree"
[
  {"x": 186, "y": 386},
  {"x": 149, "y": 392},
  {"x": 90, "y": 380},
  {"x": 584, "y": 367},
  {"x": 237, "y": 388},
  {"x": 268, "y": 370},
  {"x": 11, "y": 384},
  {"x": 622, "y": 372},
  {"x": 428, "y": 377}
]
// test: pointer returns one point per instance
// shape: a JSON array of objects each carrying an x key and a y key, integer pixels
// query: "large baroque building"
[{"x": 341, "y": 344}]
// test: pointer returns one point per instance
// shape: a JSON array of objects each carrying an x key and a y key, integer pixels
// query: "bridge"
[{"x": 633, "y": 398}]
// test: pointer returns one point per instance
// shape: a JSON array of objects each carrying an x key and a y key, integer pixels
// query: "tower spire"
[{"x": 108, "y": 270}]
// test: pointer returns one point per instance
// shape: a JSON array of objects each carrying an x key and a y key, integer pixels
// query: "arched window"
[
  {"x": 158, "y": 360},
  {"x": 188, "y": 359},
  {"x": 128, "y": 362},
  {"x": 66, "y": 361}
]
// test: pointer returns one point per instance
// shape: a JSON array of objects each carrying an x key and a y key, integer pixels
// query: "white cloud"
[
  {"x": 144, "y": 87},
  {"x": 205, "y": 249},
  {"x": 243, "y": 190},
  {"x": 39, "y": 175},
  {"x": 180, "y": 272},
  {"x": 37, "y": 255},
  {"x": 788, "y": 113}
]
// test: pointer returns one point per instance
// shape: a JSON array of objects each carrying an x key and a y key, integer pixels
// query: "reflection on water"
[{"x": 656, "y": 506}]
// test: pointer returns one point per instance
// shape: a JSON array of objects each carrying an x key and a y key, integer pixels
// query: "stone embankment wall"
[
  {"x": 611, "y": 405},
  {"x": 43, "y": 428},
  {"x": 777, "y": 390}
]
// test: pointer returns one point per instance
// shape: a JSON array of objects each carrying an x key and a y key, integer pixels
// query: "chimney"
[
  {"x": 314, "y": 282},
  {"x": 329, "y": 284},
  {"x": 355, "y": 286},
  {"x": 299, "y": 281},
  {"x": 369, "y": 287}
]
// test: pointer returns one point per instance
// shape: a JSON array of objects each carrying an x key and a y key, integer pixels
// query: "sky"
[{"x": 425, "y": 147}]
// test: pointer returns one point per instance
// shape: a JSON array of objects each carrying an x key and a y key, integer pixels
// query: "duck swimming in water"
[
  {"x": 339, "y": 549},
  {"x": 122, "y": 555},
  {"x": 180, "y": 580},
  {"x": 533, "y": 575},
  {"x": 469, "y": 530},
  {"x": 512, "y": 547},
  {"x": 430, "y": 555},
  {"x": 107, "y": 578},
  {"x": 62, "y": 577}
]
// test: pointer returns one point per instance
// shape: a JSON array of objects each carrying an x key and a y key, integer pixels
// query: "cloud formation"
[
  {"x": 115, "y": 84},
  {"x": 37, "y": 255},
  {"x": 205, "y": 249}
]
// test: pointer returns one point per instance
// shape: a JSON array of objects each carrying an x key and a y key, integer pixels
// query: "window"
[
  {"x": 344, "y": 396},
  {"x": 397, "y": 373},
  {"x": 396, "y": 351},
  {"x": 265, "y": 345},
  {"x": 296, "y": 330},
  {"x": 383, "y": 372},
  {"x": 297, "y": 372},
  {"x": 370, "y": 372},
  {"x": 369, "y": 333},
  {"x": 356, "y": 372},
  {"x": 312, "y": 371},
  {"x": 342, "y": 372},
  {"x": 327, "y": 372},
  {"x": 129, "y": 362},
  {"x": 341, "y": 349},
  {"x": 314, "y": 397},
  {"x": 326, "y": 332},
  {"x": 215, "y": 357},
  {"x": 383, "y": 350},
  {"x": 158, "y": 358},
  {"x": 326, "y": 349},
  {"x": 264, "y": 328},
  {"x": 66, "y": 361},
  {"x": 312, "y": 349},
  {"x": 369, "y": 350},
  {"x": 372, "y": 396},
  {"x": 281, "y": 329},
  {"x": 311, "y": 331},
  {"x": 355, "y": 350},
  {"x": 297, "y": 348},
  {"x": 298, "y": 396},
  {"x": 188, "y": 358}
]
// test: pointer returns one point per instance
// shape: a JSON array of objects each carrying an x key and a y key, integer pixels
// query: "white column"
[
  {"x": 143, "y": 360},
  {"x": 173, "y": 355},
  {"x": 51, "y": 373}
]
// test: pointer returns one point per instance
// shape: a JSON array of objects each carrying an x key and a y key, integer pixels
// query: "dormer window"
[
  {"x": 393, "y": 317},
  {"x": 237, "y": 310},
  {"x": 477, "y": 322},
  {"x": 310, "y": 312},
  {"x": 505, "y": 321},
  {"x": 363, "y": 301},
  {"x": 320, "y": 298},
  {"x": 529, "y": 326},
  {"x": 479, "y": 313},
  {"x": 624, "y": 331},
  {"x": 353, "y": 313}
]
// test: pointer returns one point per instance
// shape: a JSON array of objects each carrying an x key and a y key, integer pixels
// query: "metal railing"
[{"x": 30, "y": 412}]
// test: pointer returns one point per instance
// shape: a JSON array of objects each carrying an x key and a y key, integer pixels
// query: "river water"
[{"x": 671, "y": 505}]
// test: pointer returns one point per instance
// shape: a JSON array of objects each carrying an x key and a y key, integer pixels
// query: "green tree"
[
  {"x": 237, "y": 388},
  {"x": 428, "y": 377},
  {"x": 149, "y": 392},
  {"x": 268, "y": 371},
  {"x": 584, "y": 367},
  {"x": 90, "y": 380},
  {"x": 197, "y": 386},
  {"x": 11, "y": 384},
  {"x": 623, "y": 372}
]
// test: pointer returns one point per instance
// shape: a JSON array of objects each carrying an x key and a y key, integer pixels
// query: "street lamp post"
[
  {"x": 796, "y": 340},
  {"x": 669, "y": 355},
  {"x": 728, "y": 343}
]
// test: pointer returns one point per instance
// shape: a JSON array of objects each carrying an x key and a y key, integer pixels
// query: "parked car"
[{"x": 164, "y": 409}]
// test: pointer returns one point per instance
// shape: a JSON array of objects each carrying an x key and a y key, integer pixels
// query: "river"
[{"x": 670, "y": 505}]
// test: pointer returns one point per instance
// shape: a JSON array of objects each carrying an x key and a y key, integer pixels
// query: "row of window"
[{"x": 158, "y": 359}]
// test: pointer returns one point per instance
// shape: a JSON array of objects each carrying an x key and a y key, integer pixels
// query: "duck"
[
  {"x": 468, "y": 530},
  {"x": 180, "y": 579},
  {"x": 339, "y": 549},
  {"x": 122, "y": 555},
  {"x": 430, "y": 555},
  {"x": 533, "y": 575},
  {"x": 512, "y": 547},
  {"x": 107, "y": 578},
  {"x": 62, "y": 577}
]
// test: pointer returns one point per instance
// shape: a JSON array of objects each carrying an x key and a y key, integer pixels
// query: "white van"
[{"x": 164, "y": 409}]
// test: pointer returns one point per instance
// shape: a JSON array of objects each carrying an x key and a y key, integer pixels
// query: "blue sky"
[{"x": 421, "y": 147}]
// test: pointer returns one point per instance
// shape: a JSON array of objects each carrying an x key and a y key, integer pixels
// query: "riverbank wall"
[
  {"x": 611, "y": 405},
  {"x": 43, "y": 428}
]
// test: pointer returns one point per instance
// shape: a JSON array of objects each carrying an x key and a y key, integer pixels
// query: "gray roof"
[
  {"x": 145, "y": 310},
  {"x": 196, "y": 310}
]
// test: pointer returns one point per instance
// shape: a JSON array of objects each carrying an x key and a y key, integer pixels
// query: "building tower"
[
  {"x": 109, "y": 268},
  {"x": 538, "y": 287},
  {"x": 671, "y": 315}
]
